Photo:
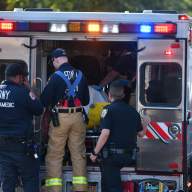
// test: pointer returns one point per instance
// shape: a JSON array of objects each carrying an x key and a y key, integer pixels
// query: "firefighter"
[
  {"x": 66, "y": 93},
  {"x": 18, "y": 153},
  {"x": 120, "y": 126}
]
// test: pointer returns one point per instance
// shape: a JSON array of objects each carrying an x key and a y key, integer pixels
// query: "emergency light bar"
[
  {"x": 11, "y": 26},
  {"x": 161, "y": 28},
  {"x": 90, "y": 27},
  {"x": 158, "y": 28}
]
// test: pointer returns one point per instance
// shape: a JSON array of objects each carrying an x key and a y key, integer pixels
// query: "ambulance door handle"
[
  {"x": 189, "y": 117},
  {"x": 144, "y": 116},
  {"x": 142, "y": 113},
  {"x": 41, "y": 83},
  {"x": 189, "y": 121}
]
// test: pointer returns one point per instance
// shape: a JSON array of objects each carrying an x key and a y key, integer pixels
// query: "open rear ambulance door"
[
  {"x": 161, "y": 67},
  {"x": 14, "y": 50}
]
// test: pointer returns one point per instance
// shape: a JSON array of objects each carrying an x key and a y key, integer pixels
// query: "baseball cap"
[
  {"x": 13, "y": 70},
  {"x": 117, "y": 88},
  {"x": 120, "y": 83},
  {"x": 58, "y": 53}
]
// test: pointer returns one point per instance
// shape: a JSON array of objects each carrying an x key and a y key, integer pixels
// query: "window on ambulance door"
[
  {"x": 161, "y": 84},
  {"x": 3, "y": 65}
]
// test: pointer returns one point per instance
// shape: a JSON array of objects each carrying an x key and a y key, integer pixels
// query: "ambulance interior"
[{"x": 93, "y": 58}]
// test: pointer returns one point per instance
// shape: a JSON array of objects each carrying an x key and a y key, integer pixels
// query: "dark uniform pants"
[
  {"x": 110, "y": 171},
  {"x": 17, "y": 167}
]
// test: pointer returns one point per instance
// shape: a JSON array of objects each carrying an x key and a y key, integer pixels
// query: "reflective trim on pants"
[
  {"x": 79, "y": 180},
  {"x": 53, "y": 182}
]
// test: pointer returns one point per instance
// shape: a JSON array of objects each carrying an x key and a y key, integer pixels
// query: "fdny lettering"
[
  {"x": 7, "y": 104},
  {"x": 69, "y": 74},
  {"x": 4, "y": 94}
]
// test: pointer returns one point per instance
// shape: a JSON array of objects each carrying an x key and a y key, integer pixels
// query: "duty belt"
[
  {"x": 120, "y": 151},
  {"x": 71, "y": 110}
]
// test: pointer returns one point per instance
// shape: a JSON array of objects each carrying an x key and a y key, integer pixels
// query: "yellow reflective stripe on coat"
[
  {"x": 53, "y": 182},
  {"x": 79, "y": 180}
]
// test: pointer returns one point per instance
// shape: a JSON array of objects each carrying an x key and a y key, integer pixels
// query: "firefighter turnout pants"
[{"x": 72, "y": 132}]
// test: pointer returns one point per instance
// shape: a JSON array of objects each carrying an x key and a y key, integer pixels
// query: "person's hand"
[
  {"x": 35, "y": 91},
  {"x": 26, "y": 82},
  {"x": 97, "y": 87},
  {"x": 93, "y": 158},
  {"x": 32, "y": 95}
]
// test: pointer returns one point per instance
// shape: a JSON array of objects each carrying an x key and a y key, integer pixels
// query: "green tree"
[
  {"x": 3, "y": 5},
  {"x": 101, "y": 5}
]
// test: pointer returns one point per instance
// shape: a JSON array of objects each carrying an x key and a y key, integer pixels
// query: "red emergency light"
[
  {"x": 165, "y": 28},
  {"x": 183, "y": 17},
  {"x": 168, "y": 52},
  {"x": 39, "y": 27},
  {"x": 7, "y": 26},
  {"x": 175, "y": 45}
]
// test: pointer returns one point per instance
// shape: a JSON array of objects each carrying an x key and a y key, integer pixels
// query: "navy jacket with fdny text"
[
  {"x": 56, "y": 87},
  {"x": 16, "y": 110}
]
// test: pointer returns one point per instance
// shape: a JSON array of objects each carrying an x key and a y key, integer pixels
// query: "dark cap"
[
  {"x": 116, "y": 88},
  {"x": 120, "y": 83},
  {"x": 13, "y": 70},
  {"x": 58, "y": 53}
]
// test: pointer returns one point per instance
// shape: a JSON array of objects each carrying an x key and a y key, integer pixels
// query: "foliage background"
[{"x": 182, "y": 6}]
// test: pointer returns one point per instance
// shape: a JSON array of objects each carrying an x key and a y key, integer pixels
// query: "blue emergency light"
[
  {"x": 145, "y": 28},
  {"x": 22, "y": 26}
]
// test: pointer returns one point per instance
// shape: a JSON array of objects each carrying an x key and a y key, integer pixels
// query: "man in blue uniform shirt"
[
  {"x": 18, "y": 158},
  {"x": 120, "y": 126}
]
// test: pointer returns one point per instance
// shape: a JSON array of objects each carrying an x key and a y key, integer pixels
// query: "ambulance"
[{"x": 163, "y": 89}]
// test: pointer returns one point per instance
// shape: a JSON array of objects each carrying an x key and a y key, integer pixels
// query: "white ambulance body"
[{"x": 163, "y": 79}]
